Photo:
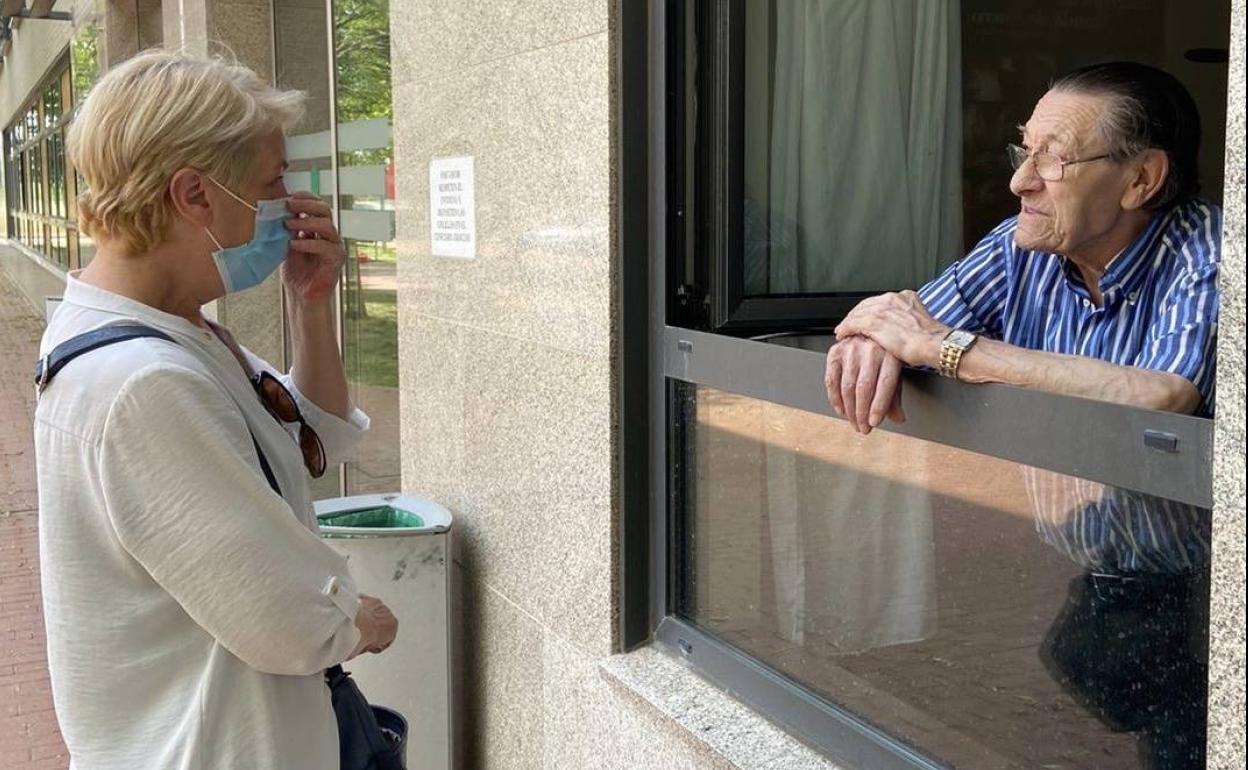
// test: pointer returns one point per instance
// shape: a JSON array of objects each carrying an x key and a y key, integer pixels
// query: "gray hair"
[{"x": 1147, "y": 109}]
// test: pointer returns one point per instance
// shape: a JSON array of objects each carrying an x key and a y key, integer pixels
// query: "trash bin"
[{"x": 398, "y": 549}]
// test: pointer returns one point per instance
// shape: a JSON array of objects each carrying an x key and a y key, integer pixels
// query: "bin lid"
[{"x": 391, "y": 515}]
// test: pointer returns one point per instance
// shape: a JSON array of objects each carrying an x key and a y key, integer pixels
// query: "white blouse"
[{"x": 190, "y": 610}]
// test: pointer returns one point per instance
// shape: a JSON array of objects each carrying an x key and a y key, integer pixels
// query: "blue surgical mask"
[{"x": 245, "y": 266}]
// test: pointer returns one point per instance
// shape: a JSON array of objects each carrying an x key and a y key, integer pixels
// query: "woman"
[{"x": 191, "y": 606}]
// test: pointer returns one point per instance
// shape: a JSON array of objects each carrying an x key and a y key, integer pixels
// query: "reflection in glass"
[
  {"x": 872, "y": 131},
  {"x": 989, "y": 614},
  {"x": 365, "y": 187},
  {"x": 52, "y": 104},
  {"x": 360, "y": 184},
  {"x": 36, "y": 178},
  {"x": 84, "y": 58},
  {"x": 301, "y": 61}
]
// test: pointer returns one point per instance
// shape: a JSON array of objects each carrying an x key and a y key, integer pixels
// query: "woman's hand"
[
  {"x": 316, "y": 251},
  {"x": 377, "y": 625}
]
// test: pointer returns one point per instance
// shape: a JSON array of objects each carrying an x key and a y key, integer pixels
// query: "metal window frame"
[
  {"x": 38, "y": 215},
  {"x": 654, "y": 357},
  {"x": 720, "y": 189}
]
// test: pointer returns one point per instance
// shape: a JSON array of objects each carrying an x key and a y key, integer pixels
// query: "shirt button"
[
  {"x": 1087, "y": 303},
  {"x": 1131, "y": 297},
  {"x": 333, "y": 586}
]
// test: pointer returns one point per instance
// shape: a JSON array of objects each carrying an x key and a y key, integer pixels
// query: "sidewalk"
[{"x": 29, "y": 738}]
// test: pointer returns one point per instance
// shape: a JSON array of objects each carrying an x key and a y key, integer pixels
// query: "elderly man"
[{"x": 1104, "y": 286}]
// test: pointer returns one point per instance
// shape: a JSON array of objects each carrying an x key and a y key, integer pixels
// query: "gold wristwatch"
[{"x": 952, "y": 348}]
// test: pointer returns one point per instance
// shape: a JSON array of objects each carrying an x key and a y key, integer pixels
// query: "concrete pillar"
[
  {"x": 130, "y": 26},
  {"x": 1226, "y": 665}
]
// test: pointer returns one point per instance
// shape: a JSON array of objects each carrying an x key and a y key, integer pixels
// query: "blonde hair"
[{"x": 155, "y": 114}]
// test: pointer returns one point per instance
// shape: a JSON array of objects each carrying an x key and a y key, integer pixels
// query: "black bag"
[{"x": 369, "y": 737}]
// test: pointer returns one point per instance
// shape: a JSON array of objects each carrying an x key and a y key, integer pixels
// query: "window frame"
[
  {"x": 44, "y": 207},
  {"x": 720, "y": 127},
  {"x": 676, "y": 348}
]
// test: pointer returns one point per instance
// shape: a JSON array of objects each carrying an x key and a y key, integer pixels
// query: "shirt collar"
[{"x": 1126, "y": 271}]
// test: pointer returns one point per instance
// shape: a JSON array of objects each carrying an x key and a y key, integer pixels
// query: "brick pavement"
[{"x": 29, "y": 737}]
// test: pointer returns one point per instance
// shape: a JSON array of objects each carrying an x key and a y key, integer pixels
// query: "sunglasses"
[{"x": 277, "y": 399}]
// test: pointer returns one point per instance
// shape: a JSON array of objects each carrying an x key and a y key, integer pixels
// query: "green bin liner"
[{"x": 383, "y": 517}]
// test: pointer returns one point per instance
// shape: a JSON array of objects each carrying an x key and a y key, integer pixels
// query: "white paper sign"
[{"x": 452, "y": 208}]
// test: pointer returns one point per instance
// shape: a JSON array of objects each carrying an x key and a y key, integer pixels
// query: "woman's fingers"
[
  {"x": 316, "y": 228},
  {"x": 309, "y": 204},
  {"x": 320, "y": 248}
]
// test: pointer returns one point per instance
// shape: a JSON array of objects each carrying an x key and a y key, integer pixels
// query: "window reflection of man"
[{"x": 1104, "y": 286}]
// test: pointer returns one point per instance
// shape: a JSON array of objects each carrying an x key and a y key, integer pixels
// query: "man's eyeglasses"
[
  {"x": 1048, "y": 166},
  {"x": 281, "y": 404}
]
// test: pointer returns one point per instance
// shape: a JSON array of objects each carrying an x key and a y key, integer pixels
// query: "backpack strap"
[{"x": 48, "y": 367}]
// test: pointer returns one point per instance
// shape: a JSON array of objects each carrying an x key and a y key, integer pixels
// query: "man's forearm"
[
  {"x": 317, "y": 366},
  {"x": 993, "y": 361}
]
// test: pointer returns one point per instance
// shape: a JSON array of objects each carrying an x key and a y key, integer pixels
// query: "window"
[
  {"x": 922, "y": 597},
  {"x": 343, "y": 151},
  {"x": 827, "y": 161},
  {"x": 40, "y": 185},
  {"x": 366, "y": 217}
]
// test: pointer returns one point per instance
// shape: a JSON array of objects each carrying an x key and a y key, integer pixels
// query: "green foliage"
[
  {"x": 362, "y": 58},
  {"x": 84, "y": 55},
  {"x": 372, "y": 344},
  {"x": 362, "y": 71}
]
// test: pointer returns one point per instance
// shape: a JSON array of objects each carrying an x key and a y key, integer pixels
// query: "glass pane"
[
  {"x": 52, "y": 104},
  {"x": 36, "y": 177},
  {"x": 56, "y": 175},
  {"x": 873, "y": 132},
  {"x": 366, "y": 197},
  {"x": 302, "y": 62},
  {"x": 852, "y": 145},
  {"x": 84, "y": 56},
  {"x": 989, "y": 614}
]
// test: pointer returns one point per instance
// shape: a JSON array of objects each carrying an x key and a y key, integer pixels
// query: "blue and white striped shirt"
[{"x": 1159, "y": 311}]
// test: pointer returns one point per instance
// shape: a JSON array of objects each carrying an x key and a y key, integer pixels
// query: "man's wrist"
[{"x": 929, "y": 354}]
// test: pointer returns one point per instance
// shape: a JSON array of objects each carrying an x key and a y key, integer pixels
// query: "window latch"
[{"x": 1161, "y": 440}]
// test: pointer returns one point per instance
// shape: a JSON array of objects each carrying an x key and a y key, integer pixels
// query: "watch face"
[{"x": 961, "y": 338}]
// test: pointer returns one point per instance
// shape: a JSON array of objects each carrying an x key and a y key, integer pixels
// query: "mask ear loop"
[
  {"x": 215, "y": 242},
  {"x": 231, "y": 193}
]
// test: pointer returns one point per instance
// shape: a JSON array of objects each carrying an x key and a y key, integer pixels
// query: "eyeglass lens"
[{"x": 1046, "y": 165}]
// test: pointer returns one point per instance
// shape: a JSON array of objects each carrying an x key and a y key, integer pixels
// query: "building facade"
[{"x": 594, "y": 251}]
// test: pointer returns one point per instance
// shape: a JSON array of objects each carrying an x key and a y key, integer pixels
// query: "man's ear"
[
  {"x": 1150, "y": 172},
  {"x": 187, "y": 190}
]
